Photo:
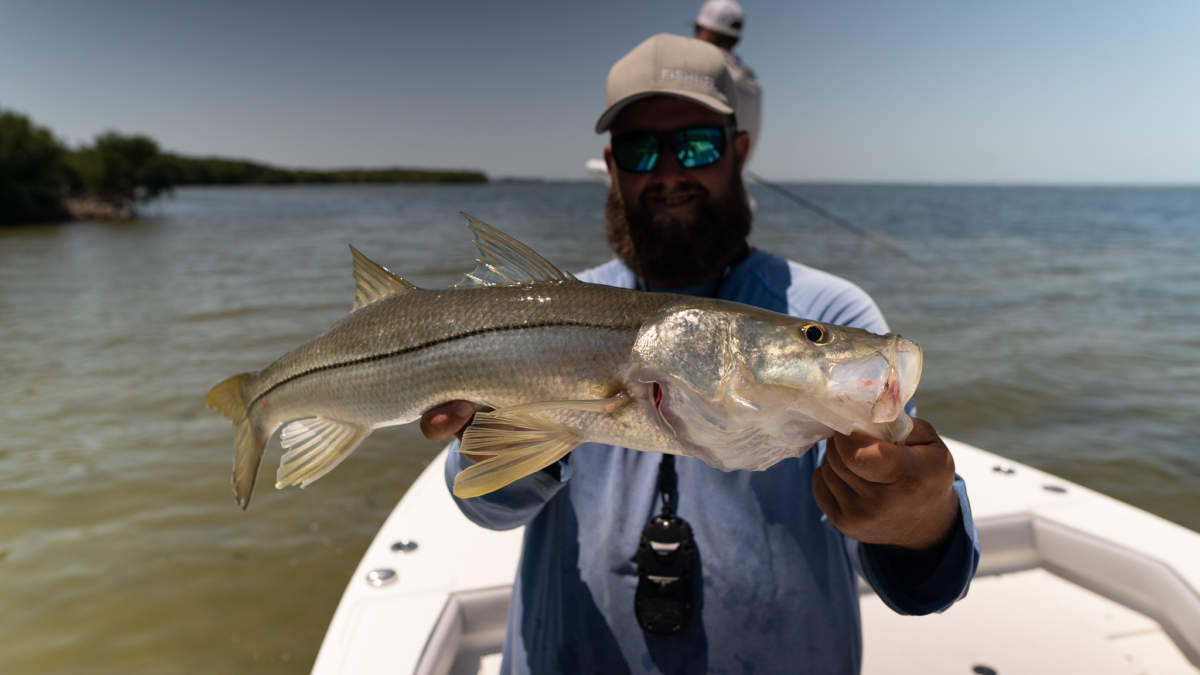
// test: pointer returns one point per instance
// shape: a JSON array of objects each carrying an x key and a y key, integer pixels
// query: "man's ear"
[
  {"x": 741, "y": 148},
  {"x": 608, "y": 159}
]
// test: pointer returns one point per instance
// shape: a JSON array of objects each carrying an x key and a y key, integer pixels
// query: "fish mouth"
[{"x": 884, "y": 381}]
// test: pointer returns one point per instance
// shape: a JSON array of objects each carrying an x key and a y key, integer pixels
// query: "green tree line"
[
  {"x": 40, "y": 176},
  {"x": 218, "y": 171}
]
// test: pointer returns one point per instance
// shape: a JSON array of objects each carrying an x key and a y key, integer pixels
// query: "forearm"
[{"x": 511, "y": 506}]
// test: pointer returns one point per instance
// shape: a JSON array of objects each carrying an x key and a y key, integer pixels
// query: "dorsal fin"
[
  {"x": 373, "y": 281},
  {"x": 504, "y": 261}
]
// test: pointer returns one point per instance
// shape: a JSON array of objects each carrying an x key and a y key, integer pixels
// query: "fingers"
[
  {"x": 824, "y": 496},
  {"x": 922, "y": 433},
  {"x": 870, "y": 459},
  {"x": 930, "y": 452},
  {"x": 446, "y": 420},
  {"x": 831, "y": 491},
  {"x": 882, "y": 493},
  {"x": 854, "y": 482}
]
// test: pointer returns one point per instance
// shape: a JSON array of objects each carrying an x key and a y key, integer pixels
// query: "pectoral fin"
[
  {"x": 518, "y": 447},
  {"x": 518, "y": 442}
]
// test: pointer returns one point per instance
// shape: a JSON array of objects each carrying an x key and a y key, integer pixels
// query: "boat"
[
  {"x": 597, "y": 169},
  {"x": 1070, "y": 581}
]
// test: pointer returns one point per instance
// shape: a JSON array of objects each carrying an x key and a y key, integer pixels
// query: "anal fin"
[{"x": 315, "y": 445}]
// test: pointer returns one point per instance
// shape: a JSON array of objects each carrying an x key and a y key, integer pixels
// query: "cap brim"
[
  {"x": 727, "y": 32},
  {"x": 709, "y": 102}
]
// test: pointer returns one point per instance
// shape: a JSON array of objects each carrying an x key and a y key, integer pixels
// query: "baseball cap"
[
  {"x": 670, "y": 65},
  {"x": 721, "y": 16}
]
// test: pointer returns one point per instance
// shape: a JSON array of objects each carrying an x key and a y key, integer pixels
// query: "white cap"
[
  {"x": 721, "y": 16},
  {"x": 670, "y": 65}
]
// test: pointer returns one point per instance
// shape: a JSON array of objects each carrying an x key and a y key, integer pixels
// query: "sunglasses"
[{"x": 695, "y": 147}]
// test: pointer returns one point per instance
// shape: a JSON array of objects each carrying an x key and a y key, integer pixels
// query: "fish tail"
[{"x": 228, "y": 398}]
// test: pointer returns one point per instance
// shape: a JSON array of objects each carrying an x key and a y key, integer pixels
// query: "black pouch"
[{"x": 667, "y": 564}]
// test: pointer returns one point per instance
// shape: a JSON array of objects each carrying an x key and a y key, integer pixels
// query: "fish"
[{"x": 562, "y": 362}]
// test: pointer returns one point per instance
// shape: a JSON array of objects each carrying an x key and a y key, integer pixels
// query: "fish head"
[
  {"x": 848, "y": 377},
  {"x": 742, "y": 388}
]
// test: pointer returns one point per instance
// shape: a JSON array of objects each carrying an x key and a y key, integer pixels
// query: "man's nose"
[{"x": 669, "y": 169}]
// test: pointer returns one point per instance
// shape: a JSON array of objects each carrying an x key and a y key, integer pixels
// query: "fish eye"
[{"x": 815, "y": 332}]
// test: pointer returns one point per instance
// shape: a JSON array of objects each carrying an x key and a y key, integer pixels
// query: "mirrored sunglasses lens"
[
  {"x": 699, "y": 147},
  {"x": 638, "y": 154}
]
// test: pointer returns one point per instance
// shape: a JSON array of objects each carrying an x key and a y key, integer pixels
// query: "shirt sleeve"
[
  {"x": 918, "y": 583},
  {"x": 514, "y": 504}
]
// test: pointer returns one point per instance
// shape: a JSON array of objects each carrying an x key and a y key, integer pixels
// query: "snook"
[{"x": 564, "y": 362}]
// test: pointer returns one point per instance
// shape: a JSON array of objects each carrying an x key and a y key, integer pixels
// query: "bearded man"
[{"x": 647, "y": 563}]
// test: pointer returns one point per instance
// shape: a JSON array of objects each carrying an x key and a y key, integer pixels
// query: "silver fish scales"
[{"x": 564, "y": 362}]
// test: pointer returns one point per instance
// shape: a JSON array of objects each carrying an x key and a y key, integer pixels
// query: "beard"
[{"x": 673, "y": 252}]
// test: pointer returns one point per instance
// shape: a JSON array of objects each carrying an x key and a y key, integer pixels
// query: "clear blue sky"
[{"x": 1024, "y": 91}]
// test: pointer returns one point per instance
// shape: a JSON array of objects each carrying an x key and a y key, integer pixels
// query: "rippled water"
[{"x": 1059, "y": 325}]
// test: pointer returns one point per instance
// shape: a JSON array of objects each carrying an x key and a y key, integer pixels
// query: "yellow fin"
[
  {"x": 519, "y": 445},
  {"x": 517, "y": 442},
  {"x": 315, "y": 445},
  {"x": 249, "y": 443},
  {"x": 373, "y": 281},
  {"x": 226, "y": 398}
]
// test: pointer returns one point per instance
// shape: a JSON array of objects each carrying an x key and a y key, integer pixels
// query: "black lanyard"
[
  {"x": 668, "y": 564},
  {"x": 667, "y": 483}
]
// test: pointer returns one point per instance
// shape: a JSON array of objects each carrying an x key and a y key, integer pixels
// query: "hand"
[
  {"x": 881, "y": 493},
  {"x": 449, "y": 419}
]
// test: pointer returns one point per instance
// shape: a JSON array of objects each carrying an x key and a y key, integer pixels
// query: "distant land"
[
  {"x": 224, "y": 171},
  {"x": 42, "y": 180}
]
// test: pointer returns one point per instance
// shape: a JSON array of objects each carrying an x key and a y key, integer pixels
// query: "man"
[
  {"x": 720, "y": 23},
  {"x": 775, "y": 586}
]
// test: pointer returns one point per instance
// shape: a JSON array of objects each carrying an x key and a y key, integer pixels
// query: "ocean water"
[{"x": 1060, "y": 328}]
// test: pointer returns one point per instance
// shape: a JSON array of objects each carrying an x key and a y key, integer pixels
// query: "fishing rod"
[{"x": 834, "y": 218}]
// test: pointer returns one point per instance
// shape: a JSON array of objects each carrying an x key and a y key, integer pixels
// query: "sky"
[{"x": 941, "y": 91}]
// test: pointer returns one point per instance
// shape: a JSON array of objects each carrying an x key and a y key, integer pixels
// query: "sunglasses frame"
[{"x": 665, "y": 139}]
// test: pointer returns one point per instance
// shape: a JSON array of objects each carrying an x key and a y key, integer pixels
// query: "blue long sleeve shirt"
[{"x": 778, "y": 589}]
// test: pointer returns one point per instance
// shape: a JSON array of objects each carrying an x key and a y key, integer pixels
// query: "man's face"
[{"x": 675, "y": 226}]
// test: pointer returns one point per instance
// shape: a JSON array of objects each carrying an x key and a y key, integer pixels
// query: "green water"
[{"x": 1059, "y": 327}]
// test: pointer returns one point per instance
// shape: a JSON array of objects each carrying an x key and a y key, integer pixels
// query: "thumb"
[{"x": 446, "y": 420}]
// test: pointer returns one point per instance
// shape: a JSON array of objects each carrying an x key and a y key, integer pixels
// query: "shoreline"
[{"x": 92, "y": 208}]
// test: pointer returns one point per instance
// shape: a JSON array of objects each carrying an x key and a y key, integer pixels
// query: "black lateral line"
[{"x": 433, "y": 343}]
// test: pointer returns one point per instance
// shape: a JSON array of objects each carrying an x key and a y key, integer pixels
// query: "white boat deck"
[{"x": 1070, "y": 581}]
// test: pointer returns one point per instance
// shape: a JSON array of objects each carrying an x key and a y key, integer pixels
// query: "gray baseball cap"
[{"x": 669, "y": 65}]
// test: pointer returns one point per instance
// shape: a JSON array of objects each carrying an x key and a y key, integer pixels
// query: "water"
[{"x": 1059, "y": 326}]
